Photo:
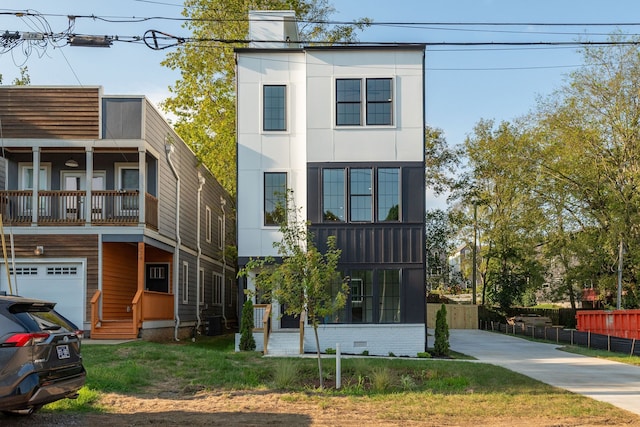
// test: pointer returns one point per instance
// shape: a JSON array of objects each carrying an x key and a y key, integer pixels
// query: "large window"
[
  {"x": 274, "y": 108},
  {"x": 369, "y": 200},
  {"x": 360, "y": 194},
  {"x": 388, "y": 194},
  {"x": 275, "y": 188},
  {"x": 361, "y": 296},
  {"x": 333, "y": 195},
  {"x": 378, "y": 98},
  {"x": 389, "y": 291}
]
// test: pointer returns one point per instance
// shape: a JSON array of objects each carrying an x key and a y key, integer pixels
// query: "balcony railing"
[{"x": 108, "y": 207}]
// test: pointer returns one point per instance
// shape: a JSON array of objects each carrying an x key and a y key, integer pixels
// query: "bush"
[
  {"x": 247, "y": 343},
  {"x": 441, "y": 346}
]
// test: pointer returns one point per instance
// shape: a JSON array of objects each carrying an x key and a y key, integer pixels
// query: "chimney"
[{"x": 273, "y": 29}]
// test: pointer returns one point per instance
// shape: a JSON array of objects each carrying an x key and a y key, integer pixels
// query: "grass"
[
  {"x": 411, "y": 389},
  {"x": 603, "y": 354}
]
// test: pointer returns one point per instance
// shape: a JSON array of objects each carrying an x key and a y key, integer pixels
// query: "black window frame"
[
  {"x": 376, "y": 100},
  {"x": 346, "y": 99},
  {"x": 271, "y": 104},
  {"x": 273, "y": 195}
]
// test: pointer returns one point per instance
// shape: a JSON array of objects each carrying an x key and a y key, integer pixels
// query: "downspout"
[
  {"x": 223, "y": 203},
  {"x": 169, "y": 148},
  {"x": 201, "y": 182}
]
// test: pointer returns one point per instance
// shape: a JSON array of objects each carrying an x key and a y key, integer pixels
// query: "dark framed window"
[
  {"x": 360, "y": 185},
  {"x": 361, "y": 283},
  {"x": 274, "y": 108},
  {"x": 333, "y": 191},
  {"x": 388, "y": 284},
  {"x": 348, "y": 102},
  {"x": 379, "y": 102},
  {"x": 275, "y": 187},
  {"x": 388, "y": 191}
]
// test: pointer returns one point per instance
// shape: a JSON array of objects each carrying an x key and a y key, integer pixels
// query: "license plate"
[{"x": 63, "y": 351}]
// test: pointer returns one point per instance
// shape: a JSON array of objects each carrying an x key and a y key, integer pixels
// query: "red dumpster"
[{"x": 617, "y": 323}]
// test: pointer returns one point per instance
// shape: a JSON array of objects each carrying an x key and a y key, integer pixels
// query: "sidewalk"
[{"x": 612, "y": 382}]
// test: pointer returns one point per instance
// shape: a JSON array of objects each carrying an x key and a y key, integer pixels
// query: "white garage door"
[{"x": 62, "y": 283}]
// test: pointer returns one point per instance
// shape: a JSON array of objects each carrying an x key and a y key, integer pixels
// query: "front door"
[
  {"x": 288, "y": 321},
  {"x": 73, "y": 204}
]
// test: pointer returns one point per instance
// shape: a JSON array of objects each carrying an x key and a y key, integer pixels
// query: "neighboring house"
[
  {"x": 121, "y": 225},
  {"x": 460, "y": 260},
  {"x": 343, "y": 127}
]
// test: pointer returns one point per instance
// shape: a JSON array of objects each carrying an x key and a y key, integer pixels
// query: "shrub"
[
  {"x": 424, "y": 355},
  {"x": 247, "y": 343},
  {"x": 441, "y": 346},
  {"x": 330, "y": 351},
  {"x": 381, "y": 379}
]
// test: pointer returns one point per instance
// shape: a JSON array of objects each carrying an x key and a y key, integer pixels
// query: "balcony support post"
[
  {"x": 142, "y": 183},
  {"x": 88, "y": 204}
]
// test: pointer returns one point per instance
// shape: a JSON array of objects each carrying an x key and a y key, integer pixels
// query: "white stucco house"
[{"x": 343, "y": 127}]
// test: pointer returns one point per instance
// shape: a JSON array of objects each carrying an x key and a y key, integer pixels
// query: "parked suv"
[{"x": 40, "y": 360}]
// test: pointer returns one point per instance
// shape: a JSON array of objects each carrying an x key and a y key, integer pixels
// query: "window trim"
[
  {"x": 263, "y": 128},
  {"x": 184, "y": 285},
  {"x": 216, "y": 288},
  {"x": 208, "y": 227},
  {"x": 264, "y": 195},
  {"x": 201, "y": 285}
]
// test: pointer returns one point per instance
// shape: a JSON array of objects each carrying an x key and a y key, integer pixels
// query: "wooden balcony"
[{"x": 108, "y": 207}]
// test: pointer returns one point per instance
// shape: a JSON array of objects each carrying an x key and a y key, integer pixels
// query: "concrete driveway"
[{"x": 612, "y": 382}]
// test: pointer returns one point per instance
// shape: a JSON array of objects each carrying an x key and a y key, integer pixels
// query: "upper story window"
[
  {"x": 360, "y": 194},
  {"x": 333, "y": 195},
  {"x": 348, "y": 102},
  {"x": 274, "y": 108},
  {"x": 388, "y": 194},
  {"x": 369, "y": 199},
  {"x": 379, "y": 102},
  {"x": 378, "y": 99},
  {"x": 275, "y": 187}
]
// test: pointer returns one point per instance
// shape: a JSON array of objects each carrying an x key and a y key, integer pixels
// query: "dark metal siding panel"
[
  {"x": 375, "y": 243},
  {"x": 50, "y": 112},
  {"x": 414, "y": 295},
  {"x": 413, "y": 194},
  {"x": 314, "y": 195}
]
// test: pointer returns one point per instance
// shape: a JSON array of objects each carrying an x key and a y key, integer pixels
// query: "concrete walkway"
[{"x": 612, "y": 382}]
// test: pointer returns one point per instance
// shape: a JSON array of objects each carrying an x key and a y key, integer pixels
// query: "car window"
[{"x": 43, "y": 320}]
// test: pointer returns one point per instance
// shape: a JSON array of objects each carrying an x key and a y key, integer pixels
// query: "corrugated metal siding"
[
  {"x": 374, "y": 243},
  {"x": 66, "y": 113}
]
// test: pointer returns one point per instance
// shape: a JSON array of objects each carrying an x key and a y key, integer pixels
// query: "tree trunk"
[{"x": 315, "y": 332}]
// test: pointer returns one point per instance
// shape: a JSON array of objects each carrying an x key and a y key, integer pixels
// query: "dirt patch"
[{"x": 256, "y": 408}]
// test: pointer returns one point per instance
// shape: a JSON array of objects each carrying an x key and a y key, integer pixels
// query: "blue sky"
[{"x": 463, "y": 85}]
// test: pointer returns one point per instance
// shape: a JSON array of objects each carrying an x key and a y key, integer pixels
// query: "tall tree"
[
  {"x": 203, "y": 100},
  {"x": 503, "y": 185},
  {"x": 306, "y": 280},
  {"x": 591, "y": 127}
]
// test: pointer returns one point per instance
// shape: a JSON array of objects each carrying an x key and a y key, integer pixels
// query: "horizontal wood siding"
[
  {"x": 119, "y": 279},
  {"x": 39, "y": 112},
  {"x": 60, "y": 246}
]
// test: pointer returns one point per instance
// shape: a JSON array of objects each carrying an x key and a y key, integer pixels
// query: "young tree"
[
  {"x": 441, "y": 345},
  {"x": 204, "y": 98},
  {"x": 306, "y": 280},
  {"x": 247, "y": 342}
]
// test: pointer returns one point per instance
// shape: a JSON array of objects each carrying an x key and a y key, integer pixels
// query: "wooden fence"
[{"x": 459, "y": 316}]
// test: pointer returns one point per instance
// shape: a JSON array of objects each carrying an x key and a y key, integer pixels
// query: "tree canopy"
[
  {"x": 557, "y": 190},
  {"x": 203, "y": 99}
]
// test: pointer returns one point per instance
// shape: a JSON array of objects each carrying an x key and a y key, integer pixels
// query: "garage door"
[{"x": 62, "y": 283}]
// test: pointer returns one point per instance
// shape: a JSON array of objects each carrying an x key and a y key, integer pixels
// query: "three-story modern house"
[
  {"x": 343, "y": 127},
  {"x": 108, "y": 213}
]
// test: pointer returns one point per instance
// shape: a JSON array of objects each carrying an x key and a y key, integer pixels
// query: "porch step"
[
  {"x": 114, "y": 330},
  {"x": 284, "y": 343}
]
